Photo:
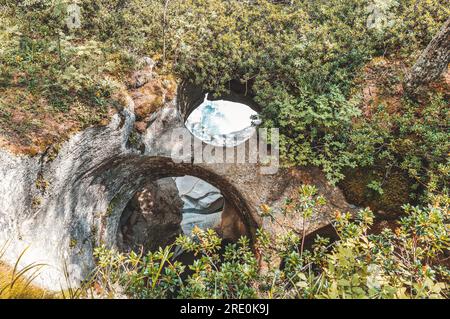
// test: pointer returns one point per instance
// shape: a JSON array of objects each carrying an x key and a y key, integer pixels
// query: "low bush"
[{"x": 408, "y": 262}]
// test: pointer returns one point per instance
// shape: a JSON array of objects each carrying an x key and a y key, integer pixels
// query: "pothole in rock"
[
  {"x": 222, "y": 122},
  {"x": 168, "y": 207}
]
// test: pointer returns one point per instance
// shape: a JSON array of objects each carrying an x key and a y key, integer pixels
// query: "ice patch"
[{"x": 222, "y": 122}]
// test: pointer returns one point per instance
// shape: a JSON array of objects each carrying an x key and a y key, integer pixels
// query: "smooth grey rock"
[
  {"x": 59, "y": 225},
  {"x": 199, "y": 197},
  {"x": 202, "y": 221}
]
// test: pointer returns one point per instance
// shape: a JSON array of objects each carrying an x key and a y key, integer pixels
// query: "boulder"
[
  {"x": 198, "y": 196},
  {"x": 144, "y": 75},
  {"x": 190, "y": 220}
]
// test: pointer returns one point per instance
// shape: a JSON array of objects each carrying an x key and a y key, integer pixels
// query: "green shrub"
[{"x": 405, "y": 263}]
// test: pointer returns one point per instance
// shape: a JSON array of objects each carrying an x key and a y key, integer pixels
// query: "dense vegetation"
[
  {"x": 309, "y": 64},
  {"x": 306, "y": 63},
  {"x": 402, "y": 263}
]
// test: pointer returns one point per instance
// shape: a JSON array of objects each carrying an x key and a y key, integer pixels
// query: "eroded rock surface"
[
  {"x": 198, "y": 196},
  {"x": 62, "y": 207}
]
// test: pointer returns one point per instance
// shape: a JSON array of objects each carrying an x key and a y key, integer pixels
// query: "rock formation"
[
  {"x": 62, "y": 207},
  {"x": 202, "y": 204}
]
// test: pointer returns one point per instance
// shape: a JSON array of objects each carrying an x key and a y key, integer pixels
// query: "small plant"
[
  {"x": 41, "y": 183},
  {"x": 376, "y": 186},
  {"x": 73, "y": 243},
  {"x": 36, "y": 201}
]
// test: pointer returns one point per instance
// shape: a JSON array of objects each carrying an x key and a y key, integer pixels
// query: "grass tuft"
[{"x": 17, "y": 284}]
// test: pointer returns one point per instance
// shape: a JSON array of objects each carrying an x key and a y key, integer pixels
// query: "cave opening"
[
  {"x": 222, "y": 122},
  {"x": 167, "y": 207}
]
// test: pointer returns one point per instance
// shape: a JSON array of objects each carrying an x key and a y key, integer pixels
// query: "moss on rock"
[{"x": 395, "y": 190}]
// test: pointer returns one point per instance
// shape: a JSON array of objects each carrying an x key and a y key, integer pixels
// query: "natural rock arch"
[
  {"x": 141, "y": 169},
  {"x": 62, "y": 208}
]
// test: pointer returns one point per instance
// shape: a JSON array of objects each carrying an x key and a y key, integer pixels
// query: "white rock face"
[
  {"x": 59, "y": 225},
  {"x": 222, "y": 122},
  {"x": 199, "y": 197}
]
